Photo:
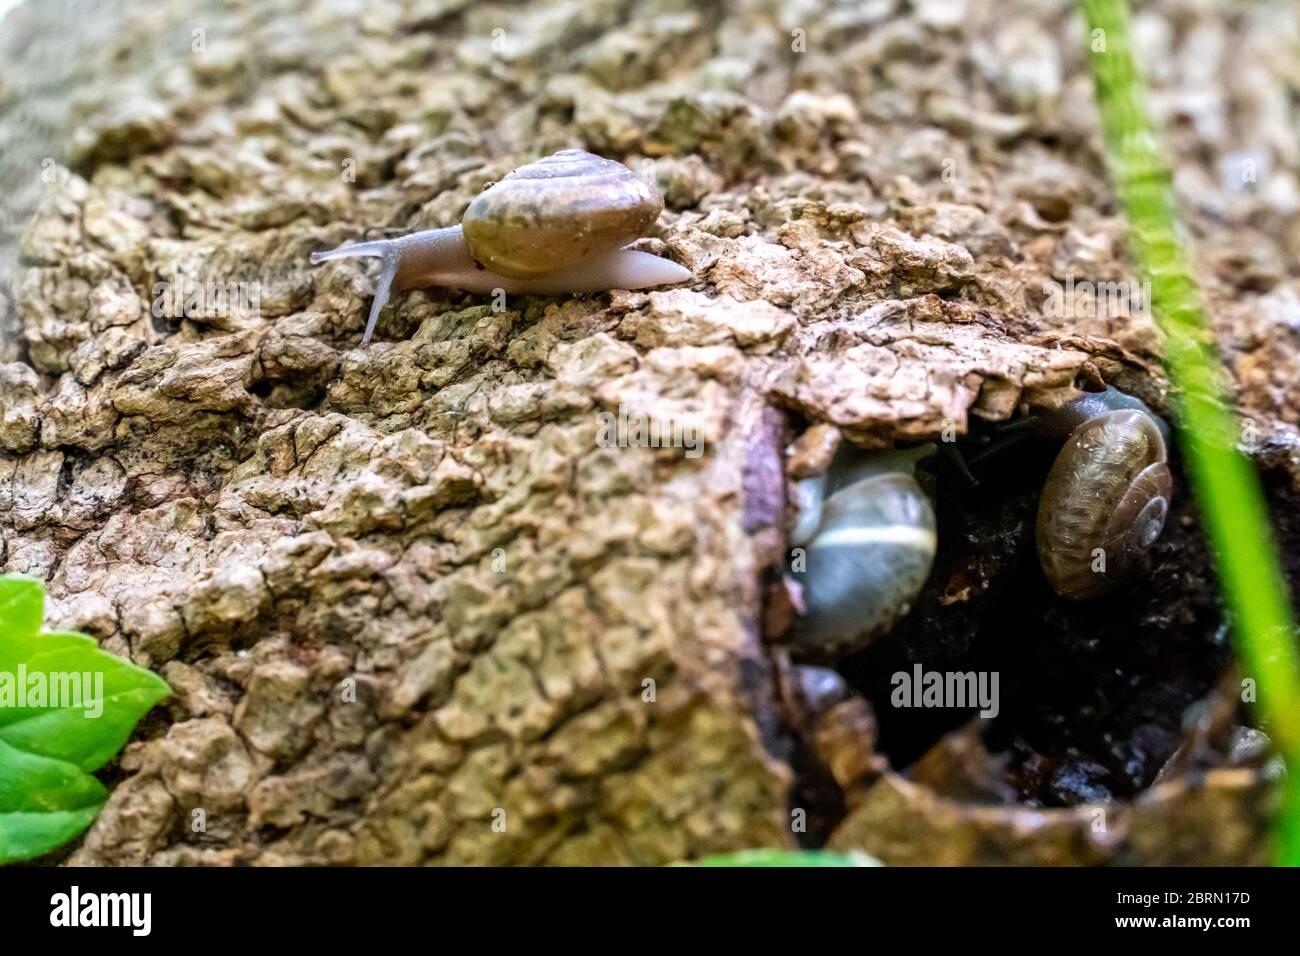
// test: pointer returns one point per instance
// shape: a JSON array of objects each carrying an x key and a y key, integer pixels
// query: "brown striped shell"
[
  {"x": 1104, "y": 503},
  {"x": 557, "y": 212}
]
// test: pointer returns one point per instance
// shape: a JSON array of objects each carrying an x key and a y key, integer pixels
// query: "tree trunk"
[{"x": 415, "y": 607}]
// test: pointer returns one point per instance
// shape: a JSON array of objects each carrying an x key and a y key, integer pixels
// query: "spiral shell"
[
  {"x": 558, "y": 211},
  {"x": 1104, "y": 503},
  {"x": 868, "y": 554}
]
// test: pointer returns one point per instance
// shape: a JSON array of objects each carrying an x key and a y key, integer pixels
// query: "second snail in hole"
[
  {"x": 553, "y": 227},
  {"x": 1107, "y": 496}
]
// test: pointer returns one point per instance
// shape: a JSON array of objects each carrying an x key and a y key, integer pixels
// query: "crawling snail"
[
  {"x": 864, "y": 541},
  {"x": 1107, "y": 495},
  {"x": 553, "y": 227}
]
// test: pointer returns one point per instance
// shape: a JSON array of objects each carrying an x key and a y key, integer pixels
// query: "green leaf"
[
  {"x": 24, "y": 836},
  {"x": 85, "y": 736},
  {"x": 788, "y": 858},
  {"x": 66, "y": 708},
  {"x": 44, "y": 803},
  {"x": 22, "y": 601}
]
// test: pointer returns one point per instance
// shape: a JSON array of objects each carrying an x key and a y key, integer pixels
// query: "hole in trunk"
[{"x": 1090, "y": 695}]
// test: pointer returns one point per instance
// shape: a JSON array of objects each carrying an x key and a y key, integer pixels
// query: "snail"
[
  {"x": 552, "y": 227},
  {"x": 1107, "y": 496},
  {"x": 864, "y": 542}
]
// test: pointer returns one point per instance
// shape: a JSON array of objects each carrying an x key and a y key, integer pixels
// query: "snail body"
[
  {"x": 1107, "y": 496},
  {"x": 553, "y": 227},
  {"x": 867, "y": 534}
]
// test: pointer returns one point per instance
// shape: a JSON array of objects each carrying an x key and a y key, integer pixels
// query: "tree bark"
[{"x": 412, "y": 607}]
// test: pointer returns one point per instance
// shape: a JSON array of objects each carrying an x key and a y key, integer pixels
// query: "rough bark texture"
[{"x": 412, "y": 611}]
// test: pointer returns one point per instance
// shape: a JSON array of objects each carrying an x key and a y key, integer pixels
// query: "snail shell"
[
  {"x": 807, "y": 497},
  {"x": 553, "y": 227},
  {"x": 1104, "y": 503},
  {"x": 867, "y": 558},
  {"x": 558, "y": 211}
]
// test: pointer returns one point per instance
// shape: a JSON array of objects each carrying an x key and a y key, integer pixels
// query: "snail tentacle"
[
  {"x": 405, "y": 261},
  {"x": 387, "y": 250},
  {"x": 383, "y": 287},
  {"x": 353, "y": 250}
]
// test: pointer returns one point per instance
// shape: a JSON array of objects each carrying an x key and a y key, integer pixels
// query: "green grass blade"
[{"x": 1227, "y": 488}]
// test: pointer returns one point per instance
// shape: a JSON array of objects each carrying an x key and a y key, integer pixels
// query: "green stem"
[{"x": 1227, "y": 488}]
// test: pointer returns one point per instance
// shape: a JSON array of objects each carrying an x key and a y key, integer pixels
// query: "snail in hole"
[
  {"x": 863, "y": 542},
  {"x": 552, "y": 227},
  {"x": 1107, "y": 496}
]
